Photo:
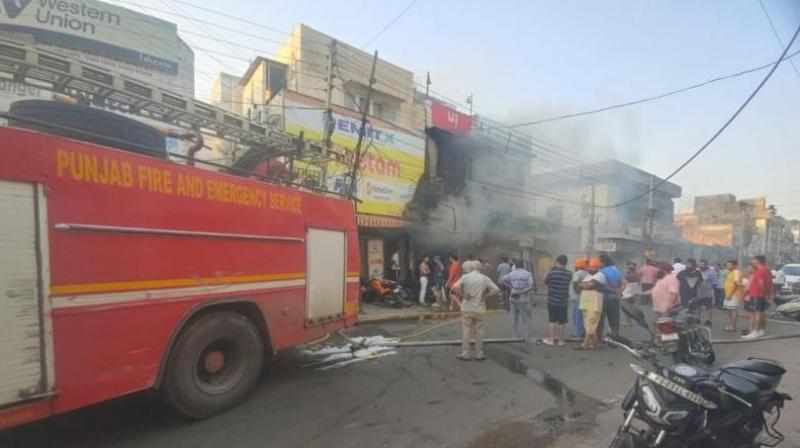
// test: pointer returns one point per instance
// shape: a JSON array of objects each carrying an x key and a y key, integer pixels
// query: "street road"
[{"x": 522, "y": 396}]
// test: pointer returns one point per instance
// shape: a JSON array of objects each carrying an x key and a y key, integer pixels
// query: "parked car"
[{"x": 791, "y": 278}]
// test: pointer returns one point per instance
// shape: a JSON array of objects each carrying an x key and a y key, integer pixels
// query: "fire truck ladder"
[{"x": 32, "y": 66}]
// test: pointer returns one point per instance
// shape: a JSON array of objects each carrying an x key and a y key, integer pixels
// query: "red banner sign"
[{"x": 446, "y": 118}]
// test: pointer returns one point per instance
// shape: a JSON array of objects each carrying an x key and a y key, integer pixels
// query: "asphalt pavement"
[{"x": 524, "y": 395}]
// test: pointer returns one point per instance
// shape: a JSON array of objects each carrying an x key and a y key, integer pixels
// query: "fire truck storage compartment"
[
  {"x": 21, "y": 348},
  {"x": 326, "y": 262},
  {"x": 89, "y": 124}
]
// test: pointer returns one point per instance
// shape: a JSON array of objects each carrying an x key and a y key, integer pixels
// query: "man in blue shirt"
[
  {"x": 611, "y": 296},
  {"x": 521, "y": 284}
]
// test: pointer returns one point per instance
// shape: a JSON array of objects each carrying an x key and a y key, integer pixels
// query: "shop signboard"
[
  {"x": 449, "y": 119},
  {"x": 392, "y": 161},
  {"x": 606, "y": 245},
  {"x": 375, "y": 263}
]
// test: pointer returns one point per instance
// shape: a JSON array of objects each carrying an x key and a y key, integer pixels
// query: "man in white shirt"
[
  {"x": 678, "y": 266},
  {"x": 471, "y": 290}
]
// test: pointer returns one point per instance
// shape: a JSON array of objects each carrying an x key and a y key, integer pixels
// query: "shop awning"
[{"x": 381, "y": 222}]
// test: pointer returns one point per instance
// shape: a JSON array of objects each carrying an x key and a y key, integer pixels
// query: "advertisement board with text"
[
  {"x": 449, "y": 119},
  {"x": 392, "y": 163}
]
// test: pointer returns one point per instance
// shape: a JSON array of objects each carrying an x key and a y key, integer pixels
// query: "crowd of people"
[
  {"x": 436, "y": 278},
  {"x": 591, "y": 294}
]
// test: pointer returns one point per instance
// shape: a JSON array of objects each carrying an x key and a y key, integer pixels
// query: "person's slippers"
[
  {"x": 548, "y": 341},
  {"x": 561, "y": 343},
  {"x": 480, "y": 358},
  {"x": 463, "y": 358}
]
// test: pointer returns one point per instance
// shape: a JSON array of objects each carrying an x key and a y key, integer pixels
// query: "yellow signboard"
[{"x": 392, "y": 161}]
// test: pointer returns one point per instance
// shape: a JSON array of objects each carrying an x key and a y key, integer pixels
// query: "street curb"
[
  {"x": 418, "y": 315},
  {"x": 746, "y": 316}
]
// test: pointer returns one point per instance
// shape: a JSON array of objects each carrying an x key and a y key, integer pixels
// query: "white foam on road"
[{"x": 359, "y": 349}]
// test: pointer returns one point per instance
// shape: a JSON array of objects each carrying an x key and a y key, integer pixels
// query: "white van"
[{"x": 791, "y": 275}]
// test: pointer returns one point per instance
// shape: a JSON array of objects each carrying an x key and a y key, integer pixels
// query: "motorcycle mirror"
[
  {"x": 635, "y": 314},
  {"x": 638, "y": 369}
]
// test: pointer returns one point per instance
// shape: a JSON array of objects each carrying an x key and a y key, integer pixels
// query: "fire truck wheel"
[{"x": 213, "y": 364}]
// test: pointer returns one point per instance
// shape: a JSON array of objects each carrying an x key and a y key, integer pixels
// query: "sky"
[{"x": 526, "y": 60}]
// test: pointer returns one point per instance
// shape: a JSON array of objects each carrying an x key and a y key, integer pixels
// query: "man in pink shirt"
[
  {"x": 649, "y": 275},
  {"x": 665, "y": 291}
]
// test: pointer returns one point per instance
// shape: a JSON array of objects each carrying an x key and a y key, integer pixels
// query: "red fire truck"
[{"x": 121, "y": 272}]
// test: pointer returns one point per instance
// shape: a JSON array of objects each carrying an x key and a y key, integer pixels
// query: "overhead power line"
[
  {"x": 322, "y": 51},
  {"x": 721, "y": 129},
  {"x": 775, "y": 32},
  {"x": 652, "y": 98},
  {"x": 389, "y": 25},
  {"x": 230, "y": 45}
]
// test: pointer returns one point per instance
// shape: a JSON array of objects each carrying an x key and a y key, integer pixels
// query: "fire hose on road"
[{"x": 512, "y": 340}]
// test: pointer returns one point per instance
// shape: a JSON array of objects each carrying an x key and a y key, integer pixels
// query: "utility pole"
[
  {"x": 362, "y": 131},
  {"x": 427, "y": 153},
  {"x": 592, "y": 219},
  {"x": 328, "y": 123},
  {"x": 650, "y": 217},
  {"x": 470, "y": 100},
  {"x": 779, "y": 259},
  {"x": 742, "y": 226}
]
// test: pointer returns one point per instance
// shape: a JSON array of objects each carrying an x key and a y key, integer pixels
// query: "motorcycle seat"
[
  {"x": 760, "y": 366},
  {"x": 765, "y": 383},
  {"x": 753, "y": 379}
]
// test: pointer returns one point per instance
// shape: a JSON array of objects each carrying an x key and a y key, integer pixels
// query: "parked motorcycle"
[
  {"x": 386, "y": 292},
  {"x": 735, "y": 406},
  {"x": 784, "y": 297},
  {"x": 790, "y": 309},
  {"x": 679, "y": 334}
]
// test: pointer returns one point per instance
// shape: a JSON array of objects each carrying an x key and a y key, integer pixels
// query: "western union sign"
[{"x": 97, "y": 27}]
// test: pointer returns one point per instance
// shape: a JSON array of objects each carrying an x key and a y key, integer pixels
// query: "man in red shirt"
[
  {"x": 759, "y": 292},
  {"x": 453, "y": 274}
]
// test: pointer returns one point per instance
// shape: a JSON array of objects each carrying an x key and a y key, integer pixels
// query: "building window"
[
  {"x": 354, "y": 102},
  {"x": 385, "y": 111}
]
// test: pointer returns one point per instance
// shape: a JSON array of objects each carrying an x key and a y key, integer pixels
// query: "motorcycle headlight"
[{"x": 650, "y": 400}]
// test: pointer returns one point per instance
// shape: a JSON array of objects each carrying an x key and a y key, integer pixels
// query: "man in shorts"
[
  {"x": 759, "y": 292},
  {"x": 705, "y": 292},
  {"x": 631, "y": 287},
  {"x": 734, "y": 292},
  {"x": 558, "y": 282}
]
